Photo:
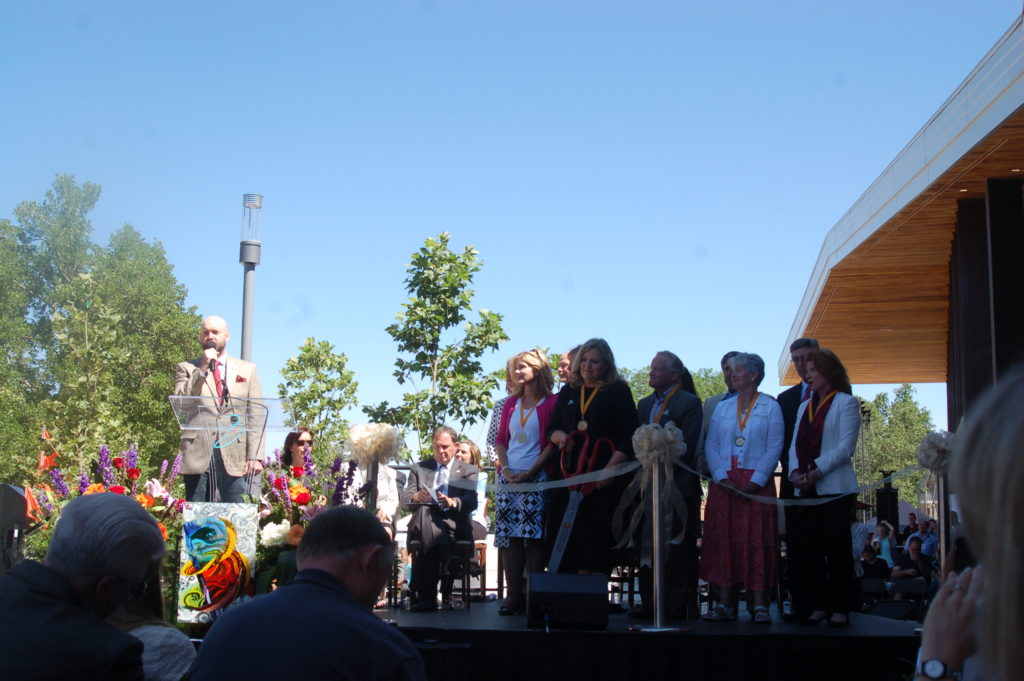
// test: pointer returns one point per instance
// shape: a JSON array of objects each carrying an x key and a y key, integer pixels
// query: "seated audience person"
[
  {"x": 930, "y": 539},
  {"x": 882, "y": 542},
  {"x": 827, "y": 426},
  {"x": 344, "y": 561},
  {"x": 168, "y": 653},
  {"x": 387, "y": 494},
  {"x": 52, "y": 614},
  {"x": 743, "y": 446},
  {"x": 598, "y": 403},
  {"x": 523, "y": 454},
  {"x": 441, "y": 495},
  {"x": 872, "y": 566},
  {"x": 911, "y": 526},
  {"x": 912, "y": 564},
  {"x": 967, "y": 630}
]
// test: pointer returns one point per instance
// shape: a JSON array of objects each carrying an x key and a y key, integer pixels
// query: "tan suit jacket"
[{"x": 243, "y": 383}]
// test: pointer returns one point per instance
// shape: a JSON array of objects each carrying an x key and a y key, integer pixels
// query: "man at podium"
[{"x": 220, "y": 457}]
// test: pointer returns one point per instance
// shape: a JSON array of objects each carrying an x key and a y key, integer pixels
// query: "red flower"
[
  {"x": 302, "y": 498},
  {"x": 163, "y": 530},
  {"x": 134, "y": 473},
  {"x": 297, "y": 471},
  {"x": 117, "y": 489},
  {"x": 179, "y": 504},
  {"x": 281, "y": 483},
  {"x": 46, "y": 434},
  {"x": 118, "y": 462}
]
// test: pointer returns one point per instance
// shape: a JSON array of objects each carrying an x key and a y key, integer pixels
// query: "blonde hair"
[
  {"x": 474, "y": 452},
  {"x": 543, "y": 376},
  {"x": 988, "y": 473}
]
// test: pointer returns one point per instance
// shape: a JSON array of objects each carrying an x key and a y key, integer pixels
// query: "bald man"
[{"x": 219, "y": 458}]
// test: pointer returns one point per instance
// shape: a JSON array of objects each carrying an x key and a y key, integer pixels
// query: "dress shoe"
[{"x": 507, "y": 610}]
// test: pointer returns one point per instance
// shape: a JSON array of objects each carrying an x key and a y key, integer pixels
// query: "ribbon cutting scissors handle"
[{"x": 585, "y": 461}]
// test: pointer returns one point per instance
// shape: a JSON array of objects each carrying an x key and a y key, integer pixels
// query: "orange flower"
[
  {"x": 145, "y": 500},
  {"x": 297, "y": 491},
  {"x": 95, "y": 488},
  {"x": 295, "y": 534},
  {"x": 163, "y": 530}
]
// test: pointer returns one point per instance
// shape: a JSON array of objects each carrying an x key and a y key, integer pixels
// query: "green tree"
[
  {"x": 96, "y": 332},
  {"x": 891, "y": 431},
  {"x": 318, "y": 388},
  {"x": 439, "y": 350},
  {"x": 637, "y": 381},
  {"x": 708, "y": 382}
]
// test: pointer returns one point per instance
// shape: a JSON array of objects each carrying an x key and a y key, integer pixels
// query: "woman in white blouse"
[
  {"x": 818, "y": 536},
  {"x": 743, "y": 446}
]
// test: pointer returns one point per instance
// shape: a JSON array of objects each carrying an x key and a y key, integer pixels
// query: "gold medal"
[
  {"x": 521, "y": 438},
  {"x": 582, "y": 425},
  {"x": 584, "y": 405},
  {"x": 740, "y": 440},
  {"x": 523, "y": 418}
]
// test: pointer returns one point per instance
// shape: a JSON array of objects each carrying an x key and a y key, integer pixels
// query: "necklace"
[{"x": 584, "y": 405}]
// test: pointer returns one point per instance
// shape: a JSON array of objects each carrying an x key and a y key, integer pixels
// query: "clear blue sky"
[{"x": 661, "y": 174}]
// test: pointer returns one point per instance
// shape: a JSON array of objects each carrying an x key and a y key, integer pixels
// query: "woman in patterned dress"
[{"x": 523, "y": 452}]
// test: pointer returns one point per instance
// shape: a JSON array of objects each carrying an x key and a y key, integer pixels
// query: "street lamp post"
[{"x": 249, "y": 257}]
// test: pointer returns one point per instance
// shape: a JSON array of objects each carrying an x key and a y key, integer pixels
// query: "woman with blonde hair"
[
  {"x": 523, "y": 452},
  {"x": 987, "y": 474},
  {"x": 468, "y": 451}
]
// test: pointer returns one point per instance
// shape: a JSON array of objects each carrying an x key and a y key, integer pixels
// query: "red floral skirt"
[{"x": 740, "y": 543}]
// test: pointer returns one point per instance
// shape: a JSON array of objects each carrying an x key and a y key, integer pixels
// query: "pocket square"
[{"x": 241, "y": 379}]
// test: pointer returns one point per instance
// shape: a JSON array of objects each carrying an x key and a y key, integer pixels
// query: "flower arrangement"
[
  {"x": 374, "y": 443},
  {"x": 654, "y": 443},
  {"x": 934, "y": 450}
]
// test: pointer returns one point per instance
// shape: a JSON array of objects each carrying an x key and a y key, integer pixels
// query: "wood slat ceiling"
[{"x": 884, "y": 308}]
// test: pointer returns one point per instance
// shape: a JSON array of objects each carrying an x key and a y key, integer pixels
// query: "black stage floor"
[{"x": 478, "y": 644}]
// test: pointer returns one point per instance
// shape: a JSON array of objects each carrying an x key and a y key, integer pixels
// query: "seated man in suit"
[
  {"x": 441, "y": 494},
  {"x": 671, "y": 402}
]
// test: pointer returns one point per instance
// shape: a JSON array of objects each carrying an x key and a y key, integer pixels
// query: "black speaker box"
[{"x": 566, "y": 601}]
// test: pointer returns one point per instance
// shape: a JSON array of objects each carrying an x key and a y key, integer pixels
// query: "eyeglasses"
[{"x": 304, "y": 443}]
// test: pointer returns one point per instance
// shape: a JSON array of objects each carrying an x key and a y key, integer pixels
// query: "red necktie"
[{"x": 219, "y": 383}]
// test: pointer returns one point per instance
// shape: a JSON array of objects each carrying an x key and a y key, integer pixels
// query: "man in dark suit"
[
  {"x": 670, "y": 402},
  {"x": 53, "y": 614},
  {"x": 344, "y": 560},
  {"x": 789, "y": 401},
  {"x": 441, "y": 494}
]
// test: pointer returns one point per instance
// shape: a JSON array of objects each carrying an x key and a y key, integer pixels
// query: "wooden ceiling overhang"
[{"x": 879, "y": 293}]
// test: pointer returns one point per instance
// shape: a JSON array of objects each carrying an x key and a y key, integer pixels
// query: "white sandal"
[{"x": 721, "y": 614}]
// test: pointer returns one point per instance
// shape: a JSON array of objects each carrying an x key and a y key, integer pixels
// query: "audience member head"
[
  {"x": 350, "y": 544},
  {"x": 987, "y": 473},
  {"x": 750, "y": 364},
  {"x": 798, "y": 350},
  {"x": 107, "y": 546},
  {"x": 914, "y": 547},
  {"x": 727, "y": 369},
  {"x": 824, "y": 365},
  {"x": 295, "y": 444},
  {"x": 884, "y": 529},
  {"x": 869, "y": 554},
  {"x": 467, "y": 451},
  {"x": 565, "y": 364},
  {"x": 443, "y": 442},
  {"x": 594, "y": 364},
  {"x": 529, "y": 368}
]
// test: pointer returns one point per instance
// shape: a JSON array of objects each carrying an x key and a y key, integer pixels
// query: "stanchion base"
[{"x": 658, "y": 630}]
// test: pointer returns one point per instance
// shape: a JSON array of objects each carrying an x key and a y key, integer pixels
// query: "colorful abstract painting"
[{"x": 218, "y": 549}]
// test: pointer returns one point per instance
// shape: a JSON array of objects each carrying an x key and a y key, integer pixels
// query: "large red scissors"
[{"x": 586, "y": 459}]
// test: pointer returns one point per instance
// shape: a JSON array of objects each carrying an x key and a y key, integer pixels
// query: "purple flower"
[
  {"x": 131, "y": 457},
  {"x": 83, "y": 481},
  {"x": 277, "y": 455},
  {"x": 175, "y": 469},
  {"x": 105, "y": 470},
  {"x": 58, "y": 483},
  {"x": 163, "y": 469},
  {"x": 307, "y": 460},
  {"x": 336, "y": 466}
]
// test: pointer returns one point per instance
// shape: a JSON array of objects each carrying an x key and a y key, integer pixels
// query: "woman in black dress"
[{"x": 597, "y": 401}]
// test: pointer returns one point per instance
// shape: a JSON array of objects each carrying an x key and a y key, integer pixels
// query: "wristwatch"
[{"x": 936, "y": 670}]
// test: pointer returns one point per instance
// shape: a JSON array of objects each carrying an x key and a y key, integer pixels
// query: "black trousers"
[{"x": 820, "y": 551}]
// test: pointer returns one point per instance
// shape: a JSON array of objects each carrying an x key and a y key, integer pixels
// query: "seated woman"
[
  {"x": 882, "y": 542},
  {"x": 469, "y": 452},
  {"x": 872, "y": 566},
  {"x": 743, "y": 446},
  {"x": 295, "y": 443}
]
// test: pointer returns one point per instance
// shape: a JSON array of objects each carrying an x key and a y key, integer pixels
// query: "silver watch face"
[{"x": 934, "y": 669}]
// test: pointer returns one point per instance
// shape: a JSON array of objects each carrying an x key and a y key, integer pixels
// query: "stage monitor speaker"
[
  {"x": 563, "y": 601},
  {"x": 13, "y": 523}
]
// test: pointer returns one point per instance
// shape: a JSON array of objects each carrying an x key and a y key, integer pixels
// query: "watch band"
[{"x": 935, "y": 670}]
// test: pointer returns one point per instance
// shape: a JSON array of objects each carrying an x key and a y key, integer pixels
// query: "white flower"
[
  {"x": 933, "y": 452},
  {"x": 273, "y": 534},
  {"x": 653, "y": 443},
  {"x": 374, "y": 443}
]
